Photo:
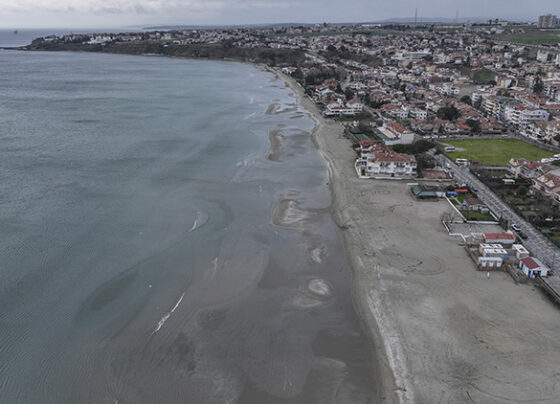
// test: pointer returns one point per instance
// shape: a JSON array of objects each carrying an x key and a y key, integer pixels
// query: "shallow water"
[{"x": 140, "y": 258}]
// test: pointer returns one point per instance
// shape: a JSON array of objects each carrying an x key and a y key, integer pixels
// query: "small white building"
[
  {"x": 492, "y": 250},
  {"x": 520, "y": 251},
  {"x": 490, "y": 262},
  {"x": 533, "y": 267}
]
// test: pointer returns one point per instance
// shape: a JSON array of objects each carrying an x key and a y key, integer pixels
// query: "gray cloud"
[{"x": 111, "y": 12}]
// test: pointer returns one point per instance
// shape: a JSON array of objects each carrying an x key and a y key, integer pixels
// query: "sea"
[{"x": 165, "y": 236}]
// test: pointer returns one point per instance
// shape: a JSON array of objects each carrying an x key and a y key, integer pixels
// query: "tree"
[
  {"x": 415, "y": 148},
  {"x": 538, "y": 87},
  {"x": 349, "y": 94},
  {"x": 466, "y": 99},
  {"x": 338, "y": 88},
  {"x": 522, "y": 190},
  {"x": 448, "y": 113},
  {"x": 474, "y": 124}
]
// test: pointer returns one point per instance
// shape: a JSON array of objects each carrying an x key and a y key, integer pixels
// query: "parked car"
[
  {"x": 523, "y": 235},
  {"x": 516, "y": 227}
]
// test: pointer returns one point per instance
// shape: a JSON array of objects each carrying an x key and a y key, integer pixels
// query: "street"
[{"x": 538, "y": 244}]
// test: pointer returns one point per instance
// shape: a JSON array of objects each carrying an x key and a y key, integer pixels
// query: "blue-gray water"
[{"x": 140, "y": 260}]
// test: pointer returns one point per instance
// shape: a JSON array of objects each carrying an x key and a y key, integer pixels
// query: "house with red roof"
[
  {"x": 499, "y": 238},
  {"x": 548, "y": 185},
  {"x": 533, "y": 267},
  {"x": 380, "y": 161},
  {"x": 523, "y": 168}
]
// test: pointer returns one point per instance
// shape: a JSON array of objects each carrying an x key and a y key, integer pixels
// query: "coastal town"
[
  {"x": 271, "y": 211},
  {"x": 429, "y": 103}
]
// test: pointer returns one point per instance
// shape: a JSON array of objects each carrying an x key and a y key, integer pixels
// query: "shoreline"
[
  {"x": 390, "y": 392},
  {"x": 441, "y": 330}
]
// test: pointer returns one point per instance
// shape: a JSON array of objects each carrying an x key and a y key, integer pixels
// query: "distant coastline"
[{"x": 258, "y": 55}]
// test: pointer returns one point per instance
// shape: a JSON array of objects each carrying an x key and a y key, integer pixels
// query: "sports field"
[
  {"x": 533, "y": 37},
  {"x": 496, "y": 152}
]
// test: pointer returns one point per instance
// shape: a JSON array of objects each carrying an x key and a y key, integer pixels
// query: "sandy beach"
[{"x": 443, "y": 332}]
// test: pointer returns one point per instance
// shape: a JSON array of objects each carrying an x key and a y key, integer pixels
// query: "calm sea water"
[{"x": 139, "y": 257}]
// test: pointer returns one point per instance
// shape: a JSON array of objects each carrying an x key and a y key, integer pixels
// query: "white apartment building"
[
  {"x": 379, "y": 161},
  {"x": 521, "y": 115}
]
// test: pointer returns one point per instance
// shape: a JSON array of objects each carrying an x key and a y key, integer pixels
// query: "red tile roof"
[
  {"x": 499, "y": 236},
  {"x": 434, "y": 174},
  {"x": 387, "y": 156},
  {"x": 529, "y": 262}
]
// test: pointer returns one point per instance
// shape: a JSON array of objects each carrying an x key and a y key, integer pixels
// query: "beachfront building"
[
  {"x": 499, "y": 238},
  {"x": 394, "y": 133},
  {"x": 341, "y": 108},
  {"x": 533, "y": 267},
  {"x": 379, "y": 161}
]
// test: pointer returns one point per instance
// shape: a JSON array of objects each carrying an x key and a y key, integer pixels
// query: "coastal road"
[{"x": 539, "y": 245}]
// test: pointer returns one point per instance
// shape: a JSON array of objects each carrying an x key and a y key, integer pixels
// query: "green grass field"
[
  {"x": 496, "y": 152},
  {"x": 483, "y": 76},
  {"x": 533, "y": 37}
]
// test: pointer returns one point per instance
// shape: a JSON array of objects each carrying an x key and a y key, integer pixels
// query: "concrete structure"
[
  {"x": 492, "y": 250},
  {"x": 490, "y": 262},
  {"x": 520, "y": 251}
]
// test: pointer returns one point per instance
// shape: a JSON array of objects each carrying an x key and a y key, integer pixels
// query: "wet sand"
[
  {"x": 276, "y": 145},
  {"x": 442, "y": 331}
]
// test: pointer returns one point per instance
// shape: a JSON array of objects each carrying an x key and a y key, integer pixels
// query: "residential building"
[
  {"x": 379, "y": 161},
  {"x": 547, "y": 21},
  {"x": 523, "y": 168},
  {"x": 548, "y": 185}
]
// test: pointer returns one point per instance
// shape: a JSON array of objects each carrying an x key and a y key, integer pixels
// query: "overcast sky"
[{"x": 121, "y": 13}]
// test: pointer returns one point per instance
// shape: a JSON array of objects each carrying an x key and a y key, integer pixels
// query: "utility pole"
[{"x": 416, "y": 16}]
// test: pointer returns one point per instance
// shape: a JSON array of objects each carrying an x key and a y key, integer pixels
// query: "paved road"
[{"x": 539, "y": 245}]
